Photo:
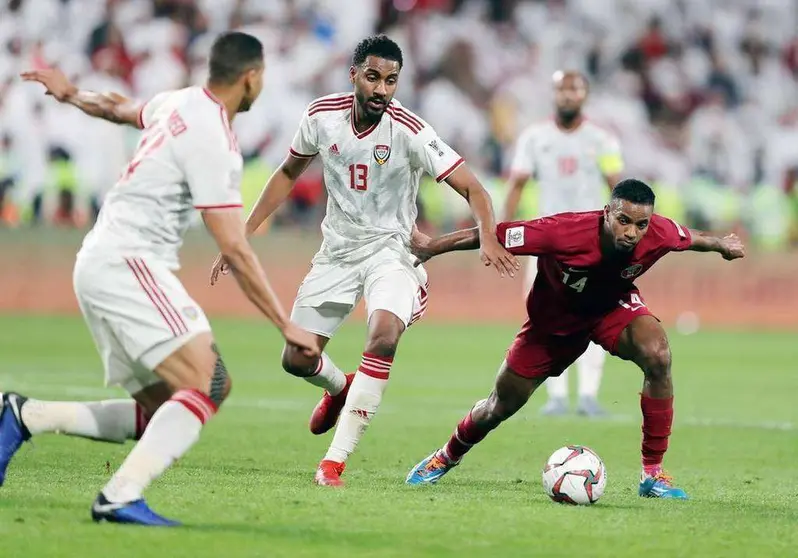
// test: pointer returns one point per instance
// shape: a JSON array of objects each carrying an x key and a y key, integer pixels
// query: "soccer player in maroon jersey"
[{"x": 584, "y": 291}]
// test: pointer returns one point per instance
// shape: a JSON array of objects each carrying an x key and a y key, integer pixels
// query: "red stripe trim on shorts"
[
  {"x": 161, "y": 295},
  {"x": 151, "y": 297}
]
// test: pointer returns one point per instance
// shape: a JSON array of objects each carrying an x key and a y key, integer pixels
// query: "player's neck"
[
  {"x": 225, "y": 97},
  {"x": 362, "y": 121},
  {"x": 569, "y": 124},
  {"x": 607, "y": 245}
]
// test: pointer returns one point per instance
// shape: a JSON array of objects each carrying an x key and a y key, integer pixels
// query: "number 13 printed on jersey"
[{"x": 358, "y": 177}]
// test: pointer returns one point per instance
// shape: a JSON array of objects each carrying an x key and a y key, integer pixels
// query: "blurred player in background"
[
  {"x": 574, "y": 163},
  {"x": 154, "y": 340},
  {"x": 374, "y": 153},
  {"x": 584, "y": 292}
]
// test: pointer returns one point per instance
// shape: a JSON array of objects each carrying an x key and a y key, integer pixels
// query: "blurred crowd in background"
[{"x": 702, "y": 94}]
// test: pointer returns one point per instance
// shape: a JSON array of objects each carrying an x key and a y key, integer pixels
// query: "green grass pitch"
[{"x": 245, "y": 489}]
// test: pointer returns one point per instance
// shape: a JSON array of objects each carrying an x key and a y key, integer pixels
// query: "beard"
[
  {"x": 568, "y": 115},
  {"x": 371, "y": 113}
]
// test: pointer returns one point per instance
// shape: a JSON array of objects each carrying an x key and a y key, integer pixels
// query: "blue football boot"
[
  {"x": 431, "y": 469},
  {"x": 12, "y": 430},
  {"x": 136, "y": 512},
  {"x": 659, "y": 485}
]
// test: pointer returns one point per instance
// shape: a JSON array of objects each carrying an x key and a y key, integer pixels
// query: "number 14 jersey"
[
  {"x": 372, "y": 177},
  {"x": 576, "y": 285}
]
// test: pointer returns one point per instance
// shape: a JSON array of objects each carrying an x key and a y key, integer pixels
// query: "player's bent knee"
[
  {"x": 656, "y": 357},
  {"x": 296, "y": 364}
]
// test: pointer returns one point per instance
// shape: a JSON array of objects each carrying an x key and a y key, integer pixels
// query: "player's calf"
[
  {"x": 510, "y": 394},
  {"x": 644, "y": 342},
  {"x": 200, "y": 382}
]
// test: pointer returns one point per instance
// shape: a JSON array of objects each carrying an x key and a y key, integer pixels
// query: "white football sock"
[
  {"x": 328, "y": 376},
  {"x": 591, "y": 366},
  {"x": 173, "y": 429},
  {"x": 557, "y": 386},
  {"x": 365, "y": 395},
  {"x": 114, "y": 420}
]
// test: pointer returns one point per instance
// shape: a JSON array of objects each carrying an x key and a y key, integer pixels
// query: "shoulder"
[
  {"x": 580, "y": 221},
  {"x": 408, "y": 122},
  {"x": 199, "y": 107},
  {"x": 329, "y": 104},
  {"x": 662, "y": 228},
  {"x": 536, "y": 132},
  {"x": 599, "y": 131}
]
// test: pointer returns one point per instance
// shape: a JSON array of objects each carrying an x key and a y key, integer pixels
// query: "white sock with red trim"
[
  {"x": 174, "y": 428},
  {"x": 365, "y": 395},
  {"x": 328, "y": 376},
  {"x": 115, "y": 420}
]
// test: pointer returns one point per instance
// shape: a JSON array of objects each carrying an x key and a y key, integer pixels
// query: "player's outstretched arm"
[
  {"x": 729, "y": 246},
  {"x": 273, "y": 195},
  {"x": 491, "y": 251},
  {"x": 108, "y": 106},
  {"x": 227, "y": 228},
  {"x": 424, "y": 248}
]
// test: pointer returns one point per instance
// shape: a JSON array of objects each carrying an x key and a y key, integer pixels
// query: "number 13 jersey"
[{"x": 372, "y": 177}]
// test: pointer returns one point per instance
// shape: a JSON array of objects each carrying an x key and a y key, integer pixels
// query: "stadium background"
[{"x": 702, "y": 95}]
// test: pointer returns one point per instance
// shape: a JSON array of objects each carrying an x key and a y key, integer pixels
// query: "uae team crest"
[{"x": 381, "y": 153}]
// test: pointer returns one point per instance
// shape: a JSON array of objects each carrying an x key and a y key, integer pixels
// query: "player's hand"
[
  {"x": 420, "y": 247},
  {"x": 305, "y": 341},
  {"x": 732, "y": 247},
  {"x": 491, "y": 252},
  {"x": 220, "y": 265},
  {"x": 53, "y": 80}
]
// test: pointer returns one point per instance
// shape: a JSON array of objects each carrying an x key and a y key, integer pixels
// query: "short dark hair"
[
  {"x": 634, "y": 191},
  {"x": 378, "y": 45},
  {"x": 232, "y": 54}
]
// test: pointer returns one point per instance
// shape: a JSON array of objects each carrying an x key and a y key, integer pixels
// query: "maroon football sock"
[
  {"x": 467, "y": 434},
  {"x": 657, "y": 420}
]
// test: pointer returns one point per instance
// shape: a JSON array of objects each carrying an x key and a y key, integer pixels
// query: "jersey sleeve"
[
  {"x": 523, "y": 162},
  {"x": 148, "y": 109},
  {"x": 528, "y": 238},
  {"x": 432, "y": 154},
  {"x": 305, "y": 143},
  {"x": 675, "y": 237},
  {"x": 610, "y": 159},
  {"x": 205, "y": 152}
]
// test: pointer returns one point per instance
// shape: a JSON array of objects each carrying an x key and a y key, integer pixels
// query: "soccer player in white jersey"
[
  {"x": 374, "y": 152},
  {"x": 573, "y": 161},
  {"x": 154, "y": 340}
]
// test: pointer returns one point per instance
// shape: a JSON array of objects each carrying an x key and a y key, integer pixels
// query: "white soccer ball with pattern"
[{"x": 574, "y": 475}]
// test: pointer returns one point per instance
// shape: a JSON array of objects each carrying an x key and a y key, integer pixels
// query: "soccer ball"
[{"x": 574, "y": 475}]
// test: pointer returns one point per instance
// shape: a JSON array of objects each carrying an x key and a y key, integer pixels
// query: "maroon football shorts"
[{"x": 536, "y": 353}]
